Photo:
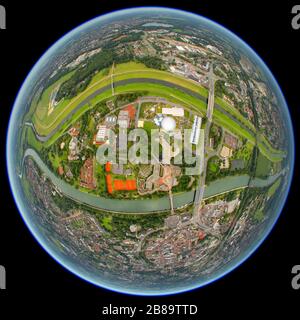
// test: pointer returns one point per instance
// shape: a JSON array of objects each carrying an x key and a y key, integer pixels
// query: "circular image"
[{"x": 150, "y": 151}]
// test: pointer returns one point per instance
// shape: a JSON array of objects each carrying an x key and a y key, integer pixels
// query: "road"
[
  {"x": 112, "y": 80},
  {"x": 209, "y": 114}
]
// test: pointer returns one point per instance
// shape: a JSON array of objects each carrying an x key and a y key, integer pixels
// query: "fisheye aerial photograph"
[{"x": 150, "y": 152}]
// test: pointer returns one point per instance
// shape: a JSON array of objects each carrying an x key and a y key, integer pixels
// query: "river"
[{"x": 145, "y": 205}]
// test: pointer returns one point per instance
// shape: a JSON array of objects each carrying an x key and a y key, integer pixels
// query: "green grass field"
[
  {"x": 106, "y": 223},
  {"x": 31, "y": 139},
  {"x": 49, "y": 123},
  {"x": 235, "y": 113},
  {"x": 263, "y": 167},
  {"x": 129, "y": 66},
  {"x": 259, "y": 216},
  {"x": 45, "y": 123},
  {"x": 276, "y": 156},
  {"x": 55, "y": 160},
  {"x": 42, "y": 106},
  {"x": 148, "y": 126},
  {"x": 267, "y": 146},
  {"x": 274, "y": 187},
  {"x": 164, "y": 76}
]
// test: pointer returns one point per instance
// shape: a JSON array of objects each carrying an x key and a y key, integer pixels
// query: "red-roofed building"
[
  {"x": 130, "y": 185},
  {"x": 109, "y": 183},
  {"x": 201, "y": 235},
  {"x": 118, "y": 185},
  {"x": 108, "y": 167},
  {"x": 60, "y": 170},
  {"x": 124, "y": 185},
  {"x": 131, "y": 111},
  {"x": 87, "y": 179}
]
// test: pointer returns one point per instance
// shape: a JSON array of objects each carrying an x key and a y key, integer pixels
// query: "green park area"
[
  {"x": 263, "y": 167},
  {"x": 274, "y": 187}
]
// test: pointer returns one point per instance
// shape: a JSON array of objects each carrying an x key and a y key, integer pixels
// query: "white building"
[
  {"x": 100, "y": 136},
  {"x": 175, "y": 112},
  {"x": 110, "y": 121},
  {"x": 141, "y": 124},
  {"x": 214, "y": 49},
  {"x": 177, "y": 71},
  {"x": 180, "y": 48},
  {"x": 196, "y": 130},
  {"x": 73, "y": 149}
]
